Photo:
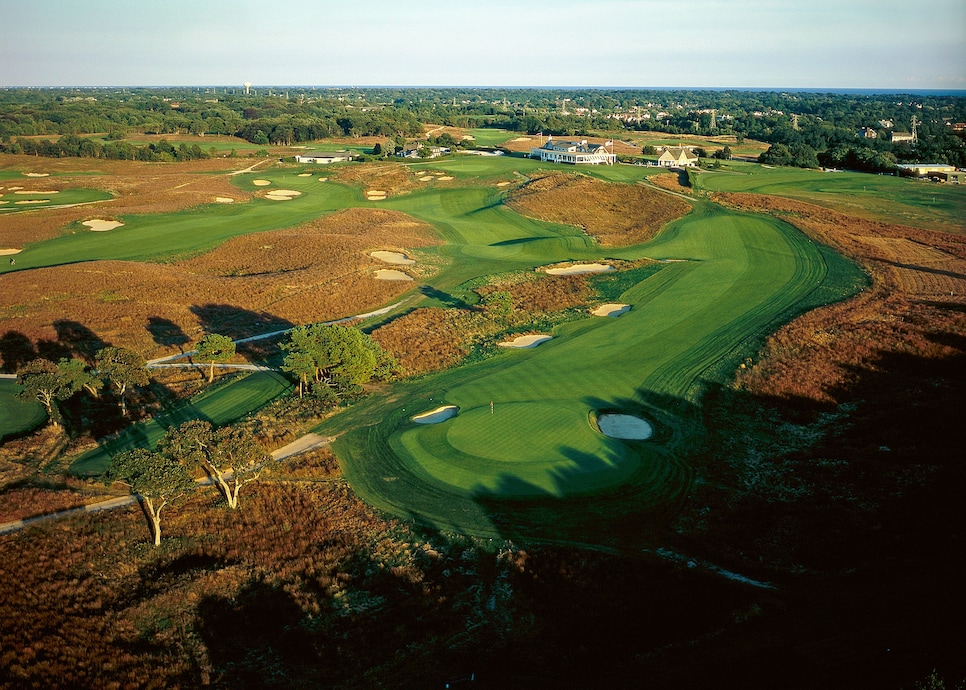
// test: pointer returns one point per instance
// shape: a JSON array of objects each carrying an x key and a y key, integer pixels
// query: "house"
[
  {"x": 898, "y": 137},
  {"x": 574, "y": 152},
  {"x": 677, "y": 157},
  {"x": 413, "y": 151},
  {"x": 325, "y": 157},
  {"x": 868, "y": 133}
]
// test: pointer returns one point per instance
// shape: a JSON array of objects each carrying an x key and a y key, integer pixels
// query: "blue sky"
[{"x": 661, "y": 43}]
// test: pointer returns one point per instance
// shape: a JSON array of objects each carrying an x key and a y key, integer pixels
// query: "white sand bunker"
[
  {"x": 102, "y": 225},
  {"x": 261, "y": 183},
  {"x": 36, "y": 174},
  {"x": 388, "y": 274},
  {"x": 32, "y": 201},
  {"x": 397, "y": 258},
  {"x": 445, "y": 178},
  {"x": 376, "y": 195},
  {"x": 224, "y": 200},
  {"x": 624, "y": 426},
  {"x": 614, "y": 310},
  {"x": 323, "y": 179},
  {"x": 282, "y": 194},
  {"x": 440, "y": 414},
  {"x": 426, "y": 178},
  {"x": 37, "y": 191},
  {"x": 305, "y": 174},
  {"x": 526, "y": 341},
  {"x": 503, "y": 184},
  {"x": 579, "y": 268},
  {"x": 8, "y": 252}
]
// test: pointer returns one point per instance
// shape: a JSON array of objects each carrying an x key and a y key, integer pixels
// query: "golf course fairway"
[{"x": 523, "y": 456}]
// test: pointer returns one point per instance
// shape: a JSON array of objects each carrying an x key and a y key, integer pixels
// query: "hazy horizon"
[{"x": 825, "y": 45}]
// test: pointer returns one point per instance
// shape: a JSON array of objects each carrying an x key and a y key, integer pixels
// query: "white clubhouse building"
[{"x": 574, "y": 152}]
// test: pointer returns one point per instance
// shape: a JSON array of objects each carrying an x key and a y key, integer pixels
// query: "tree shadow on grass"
[
  {"x": 238, "y": 324},
  {"x": 16, "y": 349},
  {"x": 444, "y": 298},
  {"x": 166, "y": 333}
]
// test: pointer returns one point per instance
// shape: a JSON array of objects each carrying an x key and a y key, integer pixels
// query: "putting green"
[{"x": 477, "y": 449}]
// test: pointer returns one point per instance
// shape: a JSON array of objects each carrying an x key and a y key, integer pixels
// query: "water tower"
[{"x": 248, "y": 87}]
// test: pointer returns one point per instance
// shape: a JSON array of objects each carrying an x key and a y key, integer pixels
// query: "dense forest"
[{"x": 807, "y": 129}]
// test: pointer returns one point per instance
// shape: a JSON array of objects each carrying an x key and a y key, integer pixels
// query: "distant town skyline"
[{"x": 860, "y": 44}]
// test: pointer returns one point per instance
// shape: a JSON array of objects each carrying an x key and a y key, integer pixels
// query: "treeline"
[
  {"x": 274, "y": 119},
  {"x": 71, "y": 145},
  {"x": 844, "y": 130}
]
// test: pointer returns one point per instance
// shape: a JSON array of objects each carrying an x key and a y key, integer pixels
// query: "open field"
[{"x": 17, "y": 417}]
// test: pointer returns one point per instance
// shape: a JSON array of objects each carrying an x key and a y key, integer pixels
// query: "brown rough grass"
[
  {"x": 616, "y": 214},
  {"x": 315, "y": 272},
  {"x": 918, "y": 289}
]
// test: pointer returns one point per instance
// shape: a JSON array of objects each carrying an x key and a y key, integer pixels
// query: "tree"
[
  {"x": 230, "y": 457},
  {"x": 215, "y": 348},
  {"x": 377, "y": 149},
  {"x": 335, "y": 357},
  {"x": 43, "y": 380},
  {"x": 123, "y": 368},
  {"x": 157, "y": 479},
  {"x": 80, "y": 376}
]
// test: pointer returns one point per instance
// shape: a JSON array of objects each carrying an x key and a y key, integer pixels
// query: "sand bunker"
[
  {"x": 388, "y": 274},
  {"x": 305, "y": 174},
  {"x": 526, "y": 341},
  {"x": 37, "y": 191},
  {"x": 282, "y": 194},
  {"x": 36, "y": 174},
  {"x": 440, "y": 414},
  {"x": 376, "y": 195},
  {"x": 427, "y": 178},
  {"x": 614, "y": 310},
  {"x": 503, "y": 184},
  {"x": 224, "y": 200},
  {"x": 397, "y": 258},
  {"x": 445, "y": 178},
  {"x": 624, "y": 426},
  {"x": 32, "y": 201},
  {"x": 102, "y": 225},
  {"x": 323, "y": 179},
  {"x": 8, "y": 252},
  {"x": 261, "y": 183},
  {"x": 579, "y": 268}
]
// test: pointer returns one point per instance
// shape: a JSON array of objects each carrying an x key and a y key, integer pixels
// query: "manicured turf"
[
  {"x": 887, "y": 198},
  {"x": 16, "y": 416},
  {"x": 220, "y": 405},
  {"x": 535, "y": 467}
]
